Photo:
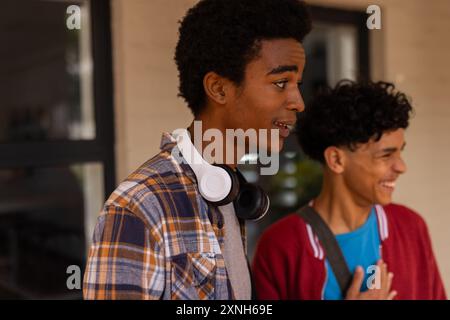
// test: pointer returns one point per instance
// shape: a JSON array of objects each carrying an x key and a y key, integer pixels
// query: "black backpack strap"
[
  {"x": 330, "y": 245},
  {"x": 252, "y": 282}
]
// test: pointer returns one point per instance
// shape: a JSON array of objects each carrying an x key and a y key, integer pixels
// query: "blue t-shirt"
[{"x": 360, "y": 247}]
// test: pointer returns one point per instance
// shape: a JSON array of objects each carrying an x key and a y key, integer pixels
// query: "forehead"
[
  {"x": 389, "y": 139},
  {"x": 278, "y": 52}
]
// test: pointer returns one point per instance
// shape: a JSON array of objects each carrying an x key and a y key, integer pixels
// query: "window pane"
[
  {"x": 332, "y": 56},
  {"x": 45, "y": 214},
  {"x": 45, "y": 72}
]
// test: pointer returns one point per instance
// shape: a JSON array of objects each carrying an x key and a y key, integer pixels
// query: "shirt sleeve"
[{"x": 125, "y": 260}]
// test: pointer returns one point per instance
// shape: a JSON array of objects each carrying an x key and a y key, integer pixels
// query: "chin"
[
  {"x": 384, "y": 201},
  {"x": 274, "y": 148},
  {"x": 280, "y": 147}
]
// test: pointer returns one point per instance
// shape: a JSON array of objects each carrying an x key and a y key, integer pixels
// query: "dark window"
[{"x": 56, "y": 140}]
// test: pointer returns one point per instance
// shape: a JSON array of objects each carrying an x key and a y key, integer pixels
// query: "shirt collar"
[{"x": 168, "y": 142}]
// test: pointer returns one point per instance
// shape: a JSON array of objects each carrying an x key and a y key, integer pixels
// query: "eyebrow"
[
  {"x": 389, "y": 150},
  {"x": 282, "y": 69}
]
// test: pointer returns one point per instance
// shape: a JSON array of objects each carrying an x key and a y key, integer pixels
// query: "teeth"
[
  {"x": 281, "y": 124},
  {"x": 389, "y": 184}
]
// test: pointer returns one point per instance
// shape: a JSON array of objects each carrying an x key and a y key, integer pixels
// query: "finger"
[
  {"x": 355, "y": 287},
  {"x": 389, "y": 283},
  {"x": 384, "y": 276},
  {"x": 392, "y": 295},
  {"x": 380, "y": 265}
]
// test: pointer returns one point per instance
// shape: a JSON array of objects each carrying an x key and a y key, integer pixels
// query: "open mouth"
[
  {"x": 285, "y": 128},
  {"x": 388, "y": 185}
]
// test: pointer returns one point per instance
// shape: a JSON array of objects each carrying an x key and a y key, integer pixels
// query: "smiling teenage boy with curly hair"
[{"x": 356, "y": 131}]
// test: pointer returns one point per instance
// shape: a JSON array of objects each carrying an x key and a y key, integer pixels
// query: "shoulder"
[
  {"x": 148, "y": 178},
  {"x": 285, "y": 232},
  {"x": 402, "y": 213},
  {"x": 403, "y": 217},
  {"x": 151, "y": 187},
  {"x": 289, "y": 238}
]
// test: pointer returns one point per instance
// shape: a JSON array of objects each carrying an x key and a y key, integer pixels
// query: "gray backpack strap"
[{"x": 330, "y": 245}]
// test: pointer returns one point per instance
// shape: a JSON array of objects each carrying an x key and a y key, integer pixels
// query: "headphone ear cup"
[
  {"x": 235, "y": 185},
  {"x": 252, "y": 203}
]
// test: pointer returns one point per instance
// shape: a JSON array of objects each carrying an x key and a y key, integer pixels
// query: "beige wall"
[
  {"x": 410, "y": 50},
  {"x": 145, "y": 77}
]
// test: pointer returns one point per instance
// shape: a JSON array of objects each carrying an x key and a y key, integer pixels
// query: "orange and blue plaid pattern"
[{"x": 157, "y": 238}]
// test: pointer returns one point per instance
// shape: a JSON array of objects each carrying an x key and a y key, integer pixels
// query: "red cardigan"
[{"x": 289, "y": 261}]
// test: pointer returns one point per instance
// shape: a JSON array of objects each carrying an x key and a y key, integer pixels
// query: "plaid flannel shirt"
[{"x": 157, "y": 238}]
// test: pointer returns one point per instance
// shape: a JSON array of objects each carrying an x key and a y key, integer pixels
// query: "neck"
[
  {"x": 197, "y": 135},
  {"x": 338, "y": 206}
]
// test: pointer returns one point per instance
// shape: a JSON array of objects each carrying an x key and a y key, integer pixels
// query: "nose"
[
  {"x": 296, "y": 102},
  {"x": 400, "y": 165}
]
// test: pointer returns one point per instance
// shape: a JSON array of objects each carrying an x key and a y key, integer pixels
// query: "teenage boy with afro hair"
[
  {"x": 240, "y": 63},
  {"x": 356, "y": 131}
]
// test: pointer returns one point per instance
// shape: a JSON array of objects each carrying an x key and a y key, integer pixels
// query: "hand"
[{"x": 383, "y": 293}]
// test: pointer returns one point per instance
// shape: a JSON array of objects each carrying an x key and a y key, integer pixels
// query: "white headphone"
[
  {"x": 220, "y": 185},
  {"x": 214, "y": 182}
]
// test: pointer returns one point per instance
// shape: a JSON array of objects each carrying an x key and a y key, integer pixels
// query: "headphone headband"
[{"x": 214, "y": 182}]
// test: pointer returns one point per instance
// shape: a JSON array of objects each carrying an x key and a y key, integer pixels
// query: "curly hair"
[
  {"x": 349, "y": 114},
  {"x": 223, "y": 36}
]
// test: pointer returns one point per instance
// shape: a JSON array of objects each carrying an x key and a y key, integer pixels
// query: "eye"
[{"x": 281, "y": 84}]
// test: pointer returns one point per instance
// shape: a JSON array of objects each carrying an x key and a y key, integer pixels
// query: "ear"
[
  {"x": 335, "y": 159},
  {"x": 216, "y": 87}
]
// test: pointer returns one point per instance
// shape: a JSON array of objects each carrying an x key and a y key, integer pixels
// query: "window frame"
[{"x": 349, "y": 17}]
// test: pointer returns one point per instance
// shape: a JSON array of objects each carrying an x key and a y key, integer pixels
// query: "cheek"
[
  {"x": 364, "y": 175},
  {"x": 360, "y": 179},
  {"x": 376, "y": 174},
  {"x": 381, "y": 170},
  {"x": 254, "y": 113},
  {"x": 260, "y": 99}
]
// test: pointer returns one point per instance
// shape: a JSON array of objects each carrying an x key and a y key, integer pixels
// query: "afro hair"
[{"x": 223, "y": 36}]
